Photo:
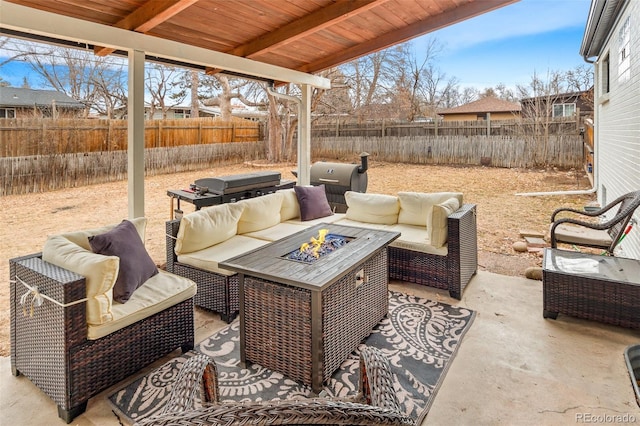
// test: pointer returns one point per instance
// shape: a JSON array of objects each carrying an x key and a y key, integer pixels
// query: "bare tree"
[
  {"x": 193, "y": 89},
  {"x": 580, "y": 78},
  {"x": 162, "y": 83},
  {"x": 372, "y": 80},
  {"x": 538, "y": 98},
  {"x": 97, "y": 82}
]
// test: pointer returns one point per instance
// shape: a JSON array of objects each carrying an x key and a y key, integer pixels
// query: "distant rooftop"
[
  {"x": 20, "y": 97},
  {"x": 488, "y": 104}
]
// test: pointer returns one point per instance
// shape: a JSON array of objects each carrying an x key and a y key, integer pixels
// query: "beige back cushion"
[
  {"x": 73, "y": 252},
  {"x": 416, "y": 207},
  {"x": 260, "y": 213},
  {"x": 290, "y": 207},
  {"x": 438, "y": 229},
  {"x": 372, "y": 208},
  {"x": 207, "y": 227}
]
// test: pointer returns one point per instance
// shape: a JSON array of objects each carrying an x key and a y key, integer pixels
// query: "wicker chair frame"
[
  {"x": 615, "y": 226},
  {"x": 51, "y": 346},
  {"x": 376, "y": 403}
]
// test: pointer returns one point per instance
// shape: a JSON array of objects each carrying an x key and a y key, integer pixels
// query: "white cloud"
[{"x": 526, "y": 17}]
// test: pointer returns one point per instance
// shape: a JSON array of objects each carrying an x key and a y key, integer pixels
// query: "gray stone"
[
  {"x": 533, "y": 273},
  {"x": 520, "y": 246}
]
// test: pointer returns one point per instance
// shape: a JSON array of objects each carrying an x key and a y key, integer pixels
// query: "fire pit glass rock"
[{"x": 317, "y": 247}]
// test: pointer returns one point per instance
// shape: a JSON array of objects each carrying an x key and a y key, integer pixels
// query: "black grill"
[{"x": 339, "y": 178}]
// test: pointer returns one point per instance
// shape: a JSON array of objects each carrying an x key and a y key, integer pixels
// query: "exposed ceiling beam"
[
  {"x": 441, "y": 20},
  {"x": 311, "y": 23},
  {"x": 37, "y": 23},
  {"x": 144, "y": 18}
]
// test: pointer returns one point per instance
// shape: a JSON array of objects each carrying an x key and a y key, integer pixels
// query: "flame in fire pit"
[
  {"x": 316, "y": 243},
  {"x": 317, "y": 247}
]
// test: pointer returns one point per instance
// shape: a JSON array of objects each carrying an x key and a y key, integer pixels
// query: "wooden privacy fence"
[
  {"x": 39, "y": 173},
  {"x": 564, "y": 151},
  {"x": 21, "y": 137},
  {"x": 384, "y": 128}
]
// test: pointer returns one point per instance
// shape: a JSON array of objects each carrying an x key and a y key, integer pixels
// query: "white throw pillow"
[
  {"x": 207, "y": 227},
  {"x": 372, "y": 208},
  {"x": 438, "y": 228}
]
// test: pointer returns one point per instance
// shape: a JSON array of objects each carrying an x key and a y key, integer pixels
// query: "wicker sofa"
[
  {"x": 69, "y": 336},
  {"x": 437, "y": 248}
]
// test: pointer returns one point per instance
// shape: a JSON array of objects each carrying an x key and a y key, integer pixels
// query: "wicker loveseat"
[
  {"x": 437, "y": 248},
  {"x": 194, "y": 401},
  {"x": 72, "y": 340}
]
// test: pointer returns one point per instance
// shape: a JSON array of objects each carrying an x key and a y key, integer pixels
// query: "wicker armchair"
[
  {"x": 451, "y": 272},
  {"x": 605, "y": 234},
  {"x": 51, "y": 347},
  {"x": 378, "y": 403}
]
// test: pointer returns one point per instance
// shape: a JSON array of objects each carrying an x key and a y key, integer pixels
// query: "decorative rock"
[
  {"x": 520, "y": 246},
  {"x": 533, "y": 273}
]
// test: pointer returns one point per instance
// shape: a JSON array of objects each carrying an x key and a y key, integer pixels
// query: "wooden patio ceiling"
[{"x": 301, "y": 35}]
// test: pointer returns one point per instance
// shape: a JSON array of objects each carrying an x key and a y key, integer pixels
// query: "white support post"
[
  {"x": 135, "y": 135},
  {"x": 304, "y": 136}
]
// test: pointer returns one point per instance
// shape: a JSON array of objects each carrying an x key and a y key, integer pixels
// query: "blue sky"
[
  {"x": 505, "y": 46},
  {"x": 512, "y": 43}
]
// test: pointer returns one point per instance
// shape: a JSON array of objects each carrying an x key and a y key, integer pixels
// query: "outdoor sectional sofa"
[
  {"x": 437, "y": 246},
  {"x": 77, "y": 340}
]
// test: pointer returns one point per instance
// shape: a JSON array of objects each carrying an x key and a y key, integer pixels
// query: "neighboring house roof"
[
  {"x": 483, "y": 105},
  {"x": 559, "y": 96},
  {"x": 28, "y": 98}
]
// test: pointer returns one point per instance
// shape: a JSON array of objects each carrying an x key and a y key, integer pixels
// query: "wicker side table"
[{"x": 598, "y": 288}]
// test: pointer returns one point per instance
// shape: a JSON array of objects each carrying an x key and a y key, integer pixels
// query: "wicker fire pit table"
[{"x": 303, "y": 319}]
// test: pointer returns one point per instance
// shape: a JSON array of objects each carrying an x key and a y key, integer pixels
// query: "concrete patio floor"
[{"x": 513, "y": 368}]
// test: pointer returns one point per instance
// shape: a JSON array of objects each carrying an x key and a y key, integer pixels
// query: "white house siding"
[{"x": 617, "y": 117}]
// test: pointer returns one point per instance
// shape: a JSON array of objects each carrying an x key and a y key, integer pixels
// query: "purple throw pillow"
[
  {"x": 136, "y": 266},
  {"x": 313, "y": 202}
]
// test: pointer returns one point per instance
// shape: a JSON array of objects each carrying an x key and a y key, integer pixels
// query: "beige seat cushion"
[
  {"x": 416, "y": 238},
  {"x": 277, "y": 232},
  {"x": 209, "y": 257},
  {"x": 372, "y": 208},
  {"x": 155, "y": 295},
  {"x": 336, "y": 217},
  {"x": 207, "y": 227},
  {"x": 579, "y": 235},
  {"x": 356, "y": 224}
]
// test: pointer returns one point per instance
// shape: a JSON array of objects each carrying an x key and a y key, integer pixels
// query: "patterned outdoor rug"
[{"x": 419, "y": 336}]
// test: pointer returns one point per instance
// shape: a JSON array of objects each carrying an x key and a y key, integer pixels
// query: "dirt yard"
[{"x": 29, "y": 219}]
